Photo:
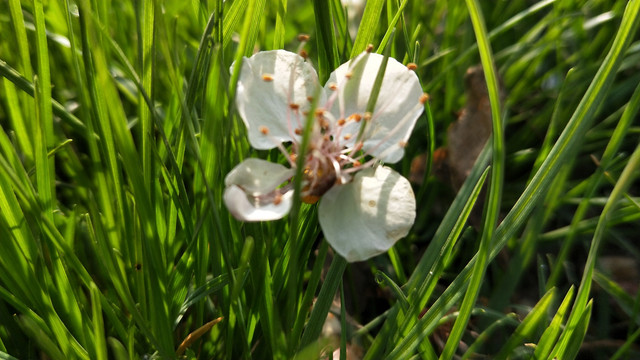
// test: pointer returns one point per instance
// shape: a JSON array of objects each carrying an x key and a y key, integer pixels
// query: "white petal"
[
  {"x": 250, "y": 193},
  {"x": 365, "y": 217},
  {"x": 257, "y": 176},
  {"x": 397, "y": 108},
  {"x": 242, "y": 209},
  {"x": 265, "y": 104}
]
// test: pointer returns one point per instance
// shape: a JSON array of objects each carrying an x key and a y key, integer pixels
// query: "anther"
[
  {"x": 333, "y": 86},
  {"x": 412, "y": 66},
  {"x": 267, "y": 77},
  {"x": 319, "y": 112},
  {"x": 341, "y": 122},
  {"x": 277, "y": 198},
  {"x": 347, "y": 137},
  {"x": 348, "y": 75},
  {"x": 294, "y": 106},
  {"x": 367, "y": 116},
  {"x": 298, "y": 131},
  {"x": 355, "y": 117},
  {"x": 357, "y": 163},
  {"x": 303, "y": 37},
  {"x": 310, "y": 98},
  {"x": 402, "y": 144},
  {"x": 303, "y": 53},
  {"x": 264, "y": 130},
  {"x": 293, "y": 157},
  {"x": 424, "y": 98},
  {"x": 369, "y": 48}
]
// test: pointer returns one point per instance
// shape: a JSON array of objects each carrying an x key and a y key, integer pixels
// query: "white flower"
[{"x": 365, "y": 207}]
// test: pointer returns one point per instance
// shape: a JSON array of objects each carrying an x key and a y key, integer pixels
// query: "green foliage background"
[{"x": 118, "y": 127}]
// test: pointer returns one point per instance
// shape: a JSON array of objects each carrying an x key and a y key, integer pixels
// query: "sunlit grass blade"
[
  {"x": 368, "y": 26},
  {"x": 528, "y": 327},
  {"x": 492, "y": 205},
  {"x": 580, "y": 309},
  {"x": 612, "y": 148},
  {"x": 413, "y": 328},
  {"x": 326, "y": 41},
  {"x": 550, "y": 335}
]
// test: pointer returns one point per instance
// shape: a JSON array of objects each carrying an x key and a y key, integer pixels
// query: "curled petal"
[
  {"x": 365, "y": 217},
  {"x": 273, "y": 91},
  {"x": 252, "y": 193},
  {"x": 397, "y": 107},
  {"x": 243, "y": 209},
  {"x": 257, "y": 176}
]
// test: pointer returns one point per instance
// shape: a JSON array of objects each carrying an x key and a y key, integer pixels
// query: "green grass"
[{"x": 118, "y": 128}]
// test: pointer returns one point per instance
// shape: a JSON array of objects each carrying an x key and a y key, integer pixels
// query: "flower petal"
[
  {"x": 257, "y": 176},
  {"x": 252, "y": 193},
  {"x": 397, "y": 108},
  {"x": 270, "y": 83},
  {"x": 242, "y": 209},
  {"x": 365, "y": 217}
]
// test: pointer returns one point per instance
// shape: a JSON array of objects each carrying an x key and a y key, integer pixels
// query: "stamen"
[
  {"x": 412, "y": 66},
  {"x": 267, "y": 77},
  {"x": 278, "y": 144},
  {"x": 277, "y": 198}
]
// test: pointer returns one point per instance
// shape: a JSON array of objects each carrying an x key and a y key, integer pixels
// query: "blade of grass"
[
  {"x": 612, "y": 148},
  {"x": 580, "y": 307},
  {"x": 279, "y": 31},
  {"x": 550, "y": 335},
  {"x": 323, "y": 303},
  {"x": 309, "y": 294},
  {"x": 492, "y": 206},
  {"x": 567, "y": 143},
  {"x": 368, "y": 26},
  {"x": 442, "y": 247},
  {"x": 99, "y": 339},
  {"x": 326, "y": 39},
  {"x": 44, "y": 117},
  {"x": 146, "y": 33},
  {"x": 526, "y": 330}
]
